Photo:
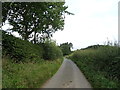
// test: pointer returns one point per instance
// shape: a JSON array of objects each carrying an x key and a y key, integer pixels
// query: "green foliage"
[
  {"x": 113, "y": 68},
  {"x": 28, "y": 75},
  {"x": 93, "y": 47},
  {"x": 42, "y": 18},
  {"x": 23, "y": 64},
  {"x": 105, "y": 56},
  {"x": 66, "y": 48},
  {"x": 20, "y": 50},
  {"x": 51, "y": 50},
  {"x": 100, "y": 65}
]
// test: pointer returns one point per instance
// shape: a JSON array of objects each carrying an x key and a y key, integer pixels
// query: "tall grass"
[
  {"x": 28, "y": 75},
  {"x": 28, "y": 65},
  {"x": 101, "y": 66}
]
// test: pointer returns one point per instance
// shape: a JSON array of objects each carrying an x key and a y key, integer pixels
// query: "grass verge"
[{"x": 28, "y": 75}]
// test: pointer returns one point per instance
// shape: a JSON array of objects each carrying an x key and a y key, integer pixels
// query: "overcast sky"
[{"x": 94, "y": 21}]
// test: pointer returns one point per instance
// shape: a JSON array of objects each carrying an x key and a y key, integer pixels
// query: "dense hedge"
[
  {"x": 105, "y": 59},
  {"x": 51, "y": 51},
  {"x": 22, "y": 50}
]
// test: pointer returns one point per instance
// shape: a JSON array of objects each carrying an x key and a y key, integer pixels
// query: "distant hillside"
[{"x": 93, "y": 47}]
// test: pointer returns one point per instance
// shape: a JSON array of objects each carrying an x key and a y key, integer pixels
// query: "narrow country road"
[{"x": 68, "y": 76}]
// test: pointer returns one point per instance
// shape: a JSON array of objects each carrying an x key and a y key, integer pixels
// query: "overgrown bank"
[
  {"x": 100, "y": 65},
  {"x": 27, "y": 65},
  {"x": 25, "y": 51},
  {"x": 28, "y": 75}
]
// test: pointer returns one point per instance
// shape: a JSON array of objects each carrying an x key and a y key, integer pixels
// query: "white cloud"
[{"x": 93, "y": 22}]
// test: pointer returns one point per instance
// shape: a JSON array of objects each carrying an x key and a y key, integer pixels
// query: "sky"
[{"x": 94, "y": 22}]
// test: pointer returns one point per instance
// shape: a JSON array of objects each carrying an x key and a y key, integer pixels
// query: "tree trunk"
[
  {"x": 26, "y": 33},
  {"x": 34, "y": 37}
]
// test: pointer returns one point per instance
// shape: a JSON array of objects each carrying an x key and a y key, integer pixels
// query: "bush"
[
  {"x": 104, "y": 56},
  {"x": 114, "y": 68},
  {"x": 66, "y": 48},
  {"x": 104, "y": 60},
  {"x": 52, "y": 51},
  {"x": 20, "y": 50}
]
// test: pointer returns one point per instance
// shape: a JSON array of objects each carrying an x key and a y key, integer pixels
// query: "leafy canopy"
[
  {"x": 66, "y": 48},
  {"x": 35, "y": 21}
]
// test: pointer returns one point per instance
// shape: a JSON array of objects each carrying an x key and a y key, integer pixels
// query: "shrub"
[
  {"x": 66, "y": 48},
  {"x": 114, "y": 69},
  {"x": 104, "y": 59},
  {"x": 20, "y": 50},
  {"x": 51, "y": 51}
]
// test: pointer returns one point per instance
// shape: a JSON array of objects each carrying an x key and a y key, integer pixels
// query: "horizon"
[
  {"x": 91, "y": 24},
  {"x": 87, "y": 27}
]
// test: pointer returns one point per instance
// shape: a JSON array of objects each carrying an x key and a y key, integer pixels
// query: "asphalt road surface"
[{"x": 68, "y": 76}]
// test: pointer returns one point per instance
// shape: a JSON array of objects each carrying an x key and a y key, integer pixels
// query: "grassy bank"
[
  {"x": 28, "y": 65},
  {"x": 100, "y": 65},
  {"x": 28, "y": 75}
]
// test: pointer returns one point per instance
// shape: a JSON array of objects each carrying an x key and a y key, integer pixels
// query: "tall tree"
[{"x": 34, "y": 20}]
